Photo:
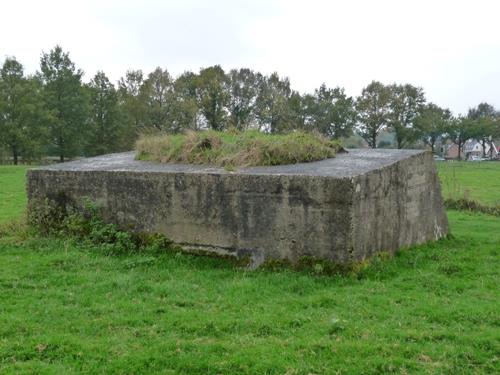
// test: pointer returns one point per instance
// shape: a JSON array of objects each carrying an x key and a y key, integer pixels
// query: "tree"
[
  {"x": 66, "y": 100},
  {"x": 481, "y": 111},
  {"x": 185, "y": 108},
  {"x": 105, "y": 125},
  {"x": 243, "y": 89},
  {"x": 158, "y": 94},
  {"x": 298, "y": 112},
  {"x": 495, "y": 135},
  {"x": 484, "y": 131},
  {"x": 213, "y": 96},
  {"x": 486, "y": 118},
  {"x": 373, "y": 111},
  {"x": 460, "y": 131},
  {"x": 333, "y": 112},
  {"x": 432, "y": 123},
  {"x": 406, "y": 103},
  {"x": 272, "y": 103},
  {"x": 21, "y": 111},
  {"x": 132, "y": 105}
]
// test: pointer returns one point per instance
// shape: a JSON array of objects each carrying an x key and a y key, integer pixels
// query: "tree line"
[{"x": 53, "y": 112}]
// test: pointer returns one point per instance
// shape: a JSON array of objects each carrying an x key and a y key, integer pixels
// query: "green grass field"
[
  {"x": 472, "y": 180},
  {"x": 12, "y": 191},
  {"x": 65, "y": 307}
]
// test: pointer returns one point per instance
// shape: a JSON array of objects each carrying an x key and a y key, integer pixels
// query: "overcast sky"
[{"x": 451, "y": 48}]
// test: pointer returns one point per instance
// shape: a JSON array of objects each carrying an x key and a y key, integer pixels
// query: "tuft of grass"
[{"x": 235, "y": 149}]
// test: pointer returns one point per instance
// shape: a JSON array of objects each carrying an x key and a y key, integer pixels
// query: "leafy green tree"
[
  {"x": 185, "y": 106},
  {"x": 213, "y": 96},
  {"x": 333, "y": 112},
  {"x": 298, "y": 112},
  {"x": 483, "y": 110},
  {"x": 243, "y": 89},
  {"x": 66, "y": 100},
  {"x": 158, "y": 92},
  {"x": 406, "y": 103},
  {"x": 460, "y": 131},
  {"x": 183, "y": 115},
  {"x": 373, "y": 107},
  {"x": 432, "y": 123},
  {"x": 486, "y": 119},
  {"x": 105, "y": 122},
  {"x": 22, "y": 115},
  {"x": 132, "y": 103},
  {"x": 272, "y": 103},
  {"x": 484, "y": 128}
]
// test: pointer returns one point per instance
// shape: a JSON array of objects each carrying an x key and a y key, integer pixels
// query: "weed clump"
[
  {"x": 53, "y": 217},
  {"x": 318, "y": 267},
  {"x": 235, "y": 149},
  {"x": 464, "y": 204}
]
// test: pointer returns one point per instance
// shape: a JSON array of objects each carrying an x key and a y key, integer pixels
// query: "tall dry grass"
[{"x": 236, "y": 149}]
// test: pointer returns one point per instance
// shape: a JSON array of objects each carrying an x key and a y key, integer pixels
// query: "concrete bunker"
[{"x": 342, "y": 209}]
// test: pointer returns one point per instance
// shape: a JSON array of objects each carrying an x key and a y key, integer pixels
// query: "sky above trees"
[{"x": 450, "y": 48}]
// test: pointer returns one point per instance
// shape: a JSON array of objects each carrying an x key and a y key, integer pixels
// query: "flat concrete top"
[{"x": 346, "y": 164}]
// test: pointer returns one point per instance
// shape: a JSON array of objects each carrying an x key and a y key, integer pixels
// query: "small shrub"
[
  {"x": 465, "y": 204},
  {"x": 51, "y": 217},
  {"x": 46, "y": 216}
]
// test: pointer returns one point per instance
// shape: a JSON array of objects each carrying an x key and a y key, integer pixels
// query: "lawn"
[
  {"x": 12, "y": 191},
  {"x": 68, "y": 308},
  {"x": 473, "y": 180}
]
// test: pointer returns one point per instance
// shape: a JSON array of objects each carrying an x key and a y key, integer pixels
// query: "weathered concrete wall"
[
  {"x": 342, "y": 209},
  {"x": 398, "y": 206}
]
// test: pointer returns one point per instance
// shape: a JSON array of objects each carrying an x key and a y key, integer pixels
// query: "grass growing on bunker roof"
[{"x": 235, "y": 149}]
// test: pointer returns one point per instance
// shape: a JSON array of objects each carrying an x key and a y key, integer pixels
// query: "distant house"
[
  {"x": 474, "y": 148},
  {"x": 450, "y": 151}
]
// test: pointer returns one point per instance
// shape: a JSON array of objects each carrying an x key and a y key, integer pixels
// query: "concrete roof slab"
[{"x": 347, "y": 164}]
